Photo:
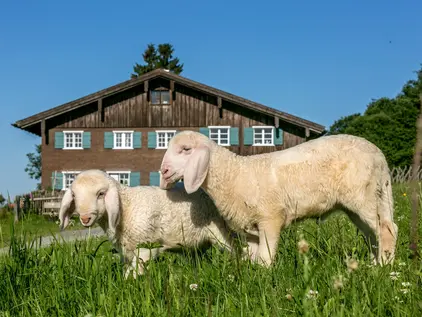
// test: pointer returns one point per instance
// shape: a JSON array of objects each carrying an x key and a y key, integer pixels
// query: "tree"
[
  {"x": 160, "y": 57},
  {"x": 2, "y": 199},
  {"x": 341, "y": 124},
  {"x": 33, "y": 168},
  {"x": 390, "y": 123}
]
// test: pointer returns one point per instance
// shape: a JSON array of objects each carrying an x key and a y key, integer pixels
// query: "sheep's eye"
[
  {"x": 186, "y": 149},
  {"x": 100, "y": 194}
]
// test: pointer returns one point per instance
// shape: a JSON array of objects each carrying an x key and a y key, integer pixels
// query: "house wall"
[{"x": 190, "y": 110}]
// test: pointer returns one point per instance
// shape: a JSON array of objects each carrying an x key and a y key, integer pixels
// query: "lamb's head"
[
  {"x": 92, "y": 194},
  {"x": 187, "y": 157}
]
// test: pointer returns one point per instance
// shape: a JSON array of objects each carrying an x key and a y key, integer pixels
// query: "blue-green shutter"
[
  {"x": 234, "y": 136},
  {"x": 152, "y": 140},
  {"x": 154, "y": 179},
  {"x": 248, "y": 136},
  {"x": 86, "y": 140},
  {"x": 108, "y": 140},
  {"x": 137, "y": 140},
  {"x": 205, "y": 131},
  {"x": 58, "y": 140},
  {"x": 135, "y": 179},
  {"x": 58, "y": 183},
  {"x": 278, "y": 139}
]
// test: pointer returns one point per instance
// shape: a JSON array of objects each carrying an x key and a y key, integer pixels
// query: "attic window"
[{"x": 160, "y": 97}]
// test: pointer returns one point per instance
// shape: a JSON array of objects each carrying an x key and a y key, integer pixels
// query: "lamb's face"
[
  {"x": 187, "y": 158},
  {"x": 88, "y": 193}
]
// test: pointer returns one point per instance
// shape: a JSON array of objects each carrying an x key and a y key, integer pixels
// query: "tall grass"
[{"x": 85, "y": 278}]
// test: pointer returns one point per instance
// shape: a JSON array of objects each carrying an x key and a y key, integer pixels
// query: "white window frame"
[
  {"x": 218, "y": 141},
  {"x": 64, "y": 173},
  {"x": 157, "y": 146},
  {"x": 123, "y": 147},
  {"x": 65, "y": 147},
  {"x": 120, "y": 172},
  {"x": 255, "y": 127}
]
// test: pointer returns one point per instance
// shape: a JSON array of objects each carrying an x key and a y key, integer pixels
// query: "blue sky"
[{"x": 318, "y": 60}]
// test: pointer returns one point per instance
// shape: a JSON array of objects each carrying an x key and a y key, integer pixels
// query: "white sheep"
[
  {"x": 262, "y": 194},
  {"x": 142, "y": 214}
]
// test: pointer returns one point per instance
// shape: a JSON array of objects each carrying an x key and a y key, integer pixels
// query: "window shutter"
[
  {"x": 137, "y": 140},
  {"x": 234, "y": 136},
  {"x": 135, "y": 179},
  {"x": 205, "y": 131},
  {"x": 154, "y": 179},
  {"x": 57, "y": 180},
  {"x": 86, "y": 140},
  {"x": 152, "y": 140},
  {"x": 248, "y": 136},
  {"x": 108, "y": 140},
  {"x": 278, "y": 136},
  {"x": 58, "y": 140}
]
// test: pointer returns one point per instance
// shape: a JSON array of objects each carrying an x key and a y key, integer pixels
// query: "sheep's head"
[
  {"x": 187, "y": 158},
  {"x": 92, "y": 194}
]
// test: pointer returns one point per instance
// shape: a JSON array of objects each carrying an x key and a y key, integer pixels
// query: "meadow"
[{"x": 328, "y": 275}]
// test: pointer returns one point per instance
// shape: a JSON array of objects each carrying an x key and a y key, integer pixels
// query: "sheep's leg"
[
  {"x": 269, "y": 236},
  {"x": 140, "y": 258},
  {"x": 369, "y": 230},
  {"x": 252, "y": 239}
]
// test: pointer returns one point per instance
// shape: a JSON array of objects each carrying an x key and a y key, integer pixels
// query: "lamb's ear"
[
  {"x": 112, "y": 205},
  {"x": 196, "y": 169},
  {"x": 67, "y": 208}
]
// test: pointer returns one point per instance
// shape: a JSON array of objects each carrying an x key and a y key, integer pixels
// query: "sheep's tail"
[{"x": 388, "y": 229}]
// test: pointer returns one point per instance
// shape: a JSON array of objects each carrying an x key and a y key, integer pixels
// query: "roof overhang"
[{"x": 29, "y": 124}]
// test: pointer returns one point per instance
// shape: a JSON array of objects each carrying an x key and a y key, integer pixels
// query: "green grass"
[
  {"x": 82, "y": 278},
  {"x": 31, "y": 225}
]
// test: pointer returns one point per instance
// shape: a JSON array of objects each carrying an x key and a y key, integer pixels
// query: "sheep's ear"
[
  {"x": 67, "y": 208},
  {"x": 196, "y": 169},
  {"x": 112, "y": 205}
]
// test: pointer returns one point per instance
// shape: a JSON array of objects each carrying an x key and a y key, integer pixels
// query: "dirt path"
[{"x": 67, "y": 236}]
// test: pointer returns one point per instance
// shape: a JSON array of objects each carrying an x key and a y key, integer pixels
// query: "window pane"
[
  {"x": 77, "y": 140},
  {"x": 224, "y": 130},
  {"x": 68, "y": 139},
  {"x": 165, "y": 97},
  {"x": 155, "y": 97},
  {"x": 268, "y": 130},
  {"x": 161, "y": 139},
  {"x": 118, "y": 139},
  {"x": 128, "y": 140}
]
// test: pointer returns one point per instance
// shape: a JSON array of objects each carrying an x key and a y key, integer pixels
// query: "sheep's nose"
[
  {"x": 164, "y": 170},
  {"x": 85, "y": 219}
]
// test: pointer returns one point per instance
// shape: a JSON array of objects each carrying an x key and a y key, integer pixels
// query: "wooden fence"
[{"x": 402, "y": 175}]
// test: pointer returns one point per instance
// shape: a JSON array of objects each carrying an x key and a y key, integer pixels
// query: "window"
[
  {"x": 123, "y": 139},
  {"x": 68, "y": 178},
  {"x": 163, "y": 138},
  {"x": 160, "y": 97},
  {"x": 122, "y": 177},
  {"x": 221, "y": 135},
  {"x": 73, "y": 140},
  {"x": 263, "y": 135}
]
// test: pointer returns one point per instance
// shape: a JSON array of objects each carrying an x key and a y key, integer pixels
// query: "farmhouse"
[{"x": 125, "y": 129}]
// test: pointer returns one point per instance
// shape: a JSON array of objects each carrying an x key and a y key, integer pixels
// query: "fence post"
[{"x": 16, "y": 208}]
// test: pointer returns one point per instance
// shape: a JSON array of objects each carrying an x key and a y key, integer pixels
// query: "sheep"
[
  {"x": 142, "y": 214},
  {"x": 264, "y": 193}
]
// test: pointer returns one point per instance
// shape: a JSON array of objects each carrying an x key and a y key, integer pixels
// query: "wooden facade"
[{"x": 153, "y": 102}]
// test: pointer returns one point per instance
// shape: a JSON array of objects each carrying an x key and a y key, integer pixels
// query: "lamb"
[
  {"x": 141, "y": 214},
  {"x": 264, "y": 193}
]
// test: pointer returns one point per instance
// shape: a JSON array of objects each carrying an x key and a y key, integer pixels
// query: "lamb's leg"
[
  {"x": 269, "y": 236},
  {"x": 140, "y": 258}
]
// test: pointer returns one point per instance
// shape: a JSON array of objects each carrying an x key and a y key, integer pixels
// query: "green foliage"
[
  {"x": 2, "y": 200},
  {"x": 85, "y": 277},
  {"x": 33, "y": 168},
  {"x": 160, "y": 57},
  {"x": 390, "y": 123}
]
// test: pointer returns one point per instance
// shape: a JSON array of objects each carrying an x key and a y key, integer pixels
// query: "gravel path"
[{"x": 67, "y": 236}]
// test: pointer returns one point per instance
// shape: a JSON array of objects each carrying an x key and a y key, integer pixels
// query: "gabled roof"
[{"x": 35, "y": 119}]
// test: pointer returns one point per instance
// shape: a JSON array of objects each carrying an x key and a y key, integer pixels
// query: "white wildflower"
[
  {"x": 398, "y": 299},
  {"x": 193, "y": 287},
  {"x": 402, "y": 264},
  {"x": 405, "y": 284},
  {"x": 312, "y": 294},
  {"x": 303, "y": 246},
  {"x": 404, "y": 290},
  {"x": 352, "y": 265},
  {"x": 394, "y": 275},
  {"x": 230, "y": 277}
]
